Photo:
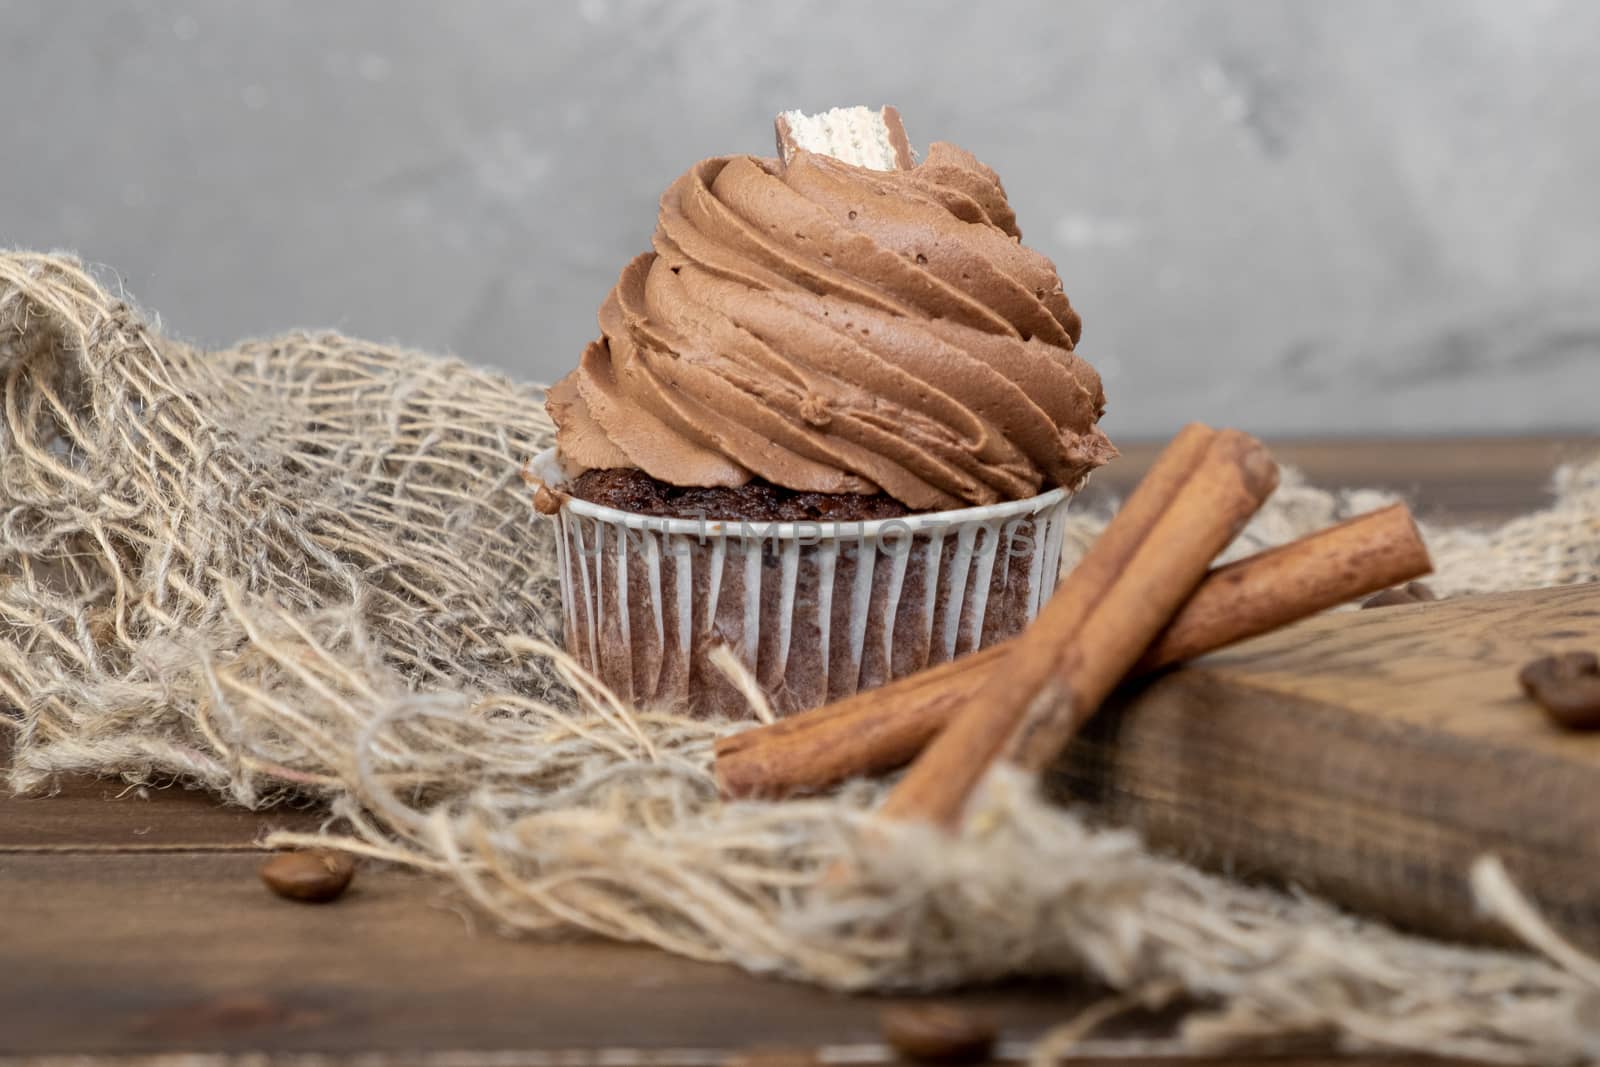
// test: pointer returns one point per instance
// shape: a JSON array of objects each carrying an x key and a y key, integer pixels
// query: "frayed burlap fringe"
[{"x": 307, "y": 566}]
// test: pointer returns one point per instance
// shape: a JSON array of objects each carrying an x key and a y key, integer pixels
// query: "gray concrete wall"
[{"x": 1296, "y": 217}]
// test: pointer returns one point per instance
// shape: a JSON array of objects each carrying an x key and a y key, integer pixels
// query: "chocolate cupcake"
[{"x": 832, "y": 422}]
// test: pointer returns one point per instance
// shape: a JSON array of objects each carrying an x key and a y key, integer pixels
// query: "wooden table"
[{"x": 133, "y": 927}]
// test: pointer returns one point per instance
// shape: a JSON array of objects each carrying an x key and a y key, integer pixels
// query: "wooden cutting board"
[{"x": 1370, "y": 757}]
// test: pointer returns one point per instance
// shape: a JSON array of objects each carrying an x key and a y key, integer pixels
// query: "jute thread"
[{"x": 305, "y": 566}]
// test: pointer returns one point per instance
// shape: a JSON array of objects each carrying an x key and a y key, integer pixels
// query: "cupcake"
[{"x": 831, "y": 422}]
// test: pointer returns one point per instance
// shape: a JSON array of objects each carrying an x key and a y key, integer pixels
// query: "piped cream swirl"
[{"x": 834, "y": 329}]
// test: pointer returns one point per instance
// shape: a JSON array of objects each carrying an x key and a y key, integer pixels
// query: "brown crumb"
[{"x": 546, "y": 502}]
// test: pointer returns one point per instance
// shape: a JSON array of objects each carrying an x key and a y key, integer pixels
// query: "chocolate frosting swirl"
[{"x": 834, "y": 329}]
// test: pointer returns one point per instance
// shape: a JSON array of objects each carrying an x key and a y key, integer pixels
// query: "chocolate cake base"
[{"x": 634, "y": 491}]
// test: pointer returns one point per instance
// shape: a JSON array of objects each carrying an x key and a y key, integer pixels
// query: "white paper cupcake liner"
[{"x": 816, "y": 610}]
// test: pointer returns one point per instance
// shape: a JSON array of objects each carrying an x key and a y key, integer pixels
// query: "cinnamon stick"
[
  {"x": 1273, "y": 588},
  {"x": 881, "y": 729},
  {"x": 1124, "y": 592}
]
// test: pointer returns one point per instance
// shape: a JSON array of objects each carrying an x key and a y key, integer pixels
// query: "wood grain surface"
[
  {"x": 134, "y": 929},
  {"x": 1369, "y": 756},
  {"x": 142, "y": 952}
]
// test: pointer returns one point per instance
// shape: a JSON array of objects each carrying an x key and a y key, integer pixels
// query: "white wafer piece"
[{"x": 856, "y": 135}]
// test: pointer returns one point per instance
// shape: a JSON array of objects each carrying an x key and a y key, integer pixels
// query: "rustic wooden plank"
[
  {"x": 143, "y": 953},
  {"x": 95, "y": 815},
  {"x": 1459, "y": 479},
  {"x": 1371, "y": 757},
  {"x": 98, "y": 814}
]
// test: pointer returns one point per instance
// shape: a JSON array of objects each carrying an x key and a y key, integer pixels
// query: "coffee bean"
[
  {"x": 1410, "y": 593},
  {"x": 1567, "y": 687},
  {"x": 937, "y": 1033},
  {"x": 314, "y": 877}
]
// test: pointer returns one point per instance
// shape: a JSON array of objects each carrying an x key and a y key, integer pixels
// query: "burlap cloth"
[{"x": 307, "y": 565}]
